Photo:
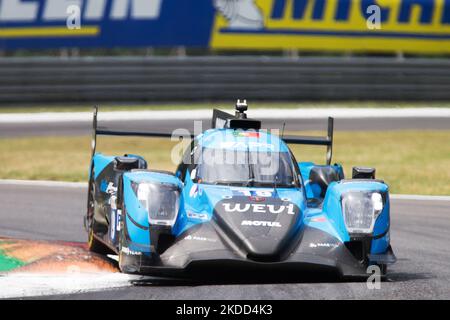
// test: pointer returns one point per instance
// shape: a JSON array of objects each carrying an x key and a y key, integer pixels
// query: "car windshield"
[{"x": 246, "y": 168}]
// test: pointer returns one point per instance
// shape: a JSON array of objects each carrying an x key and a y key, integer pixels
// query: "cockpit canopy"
[
  {"x": 246, "y": 168},
  {"x": 242, "y": 158}
]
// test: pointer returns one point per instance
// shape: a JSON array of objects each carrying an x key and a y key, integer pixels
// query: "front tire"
[{"x": 94, "y": 245}]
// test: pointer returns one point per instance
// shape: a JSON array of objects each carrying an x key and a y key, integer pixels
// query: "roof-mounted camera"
[
  {"x": 241, "y": 107},
  {"x": 238, "y": 121}
]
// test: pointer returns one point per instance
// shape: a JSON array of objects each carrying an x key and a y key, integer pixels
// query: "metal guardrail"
[{"x": 140, "y": 80}]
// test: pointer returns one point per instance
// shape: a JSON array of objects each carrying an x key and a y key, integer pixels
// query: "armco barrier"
[{"x": 151, "y": 79}]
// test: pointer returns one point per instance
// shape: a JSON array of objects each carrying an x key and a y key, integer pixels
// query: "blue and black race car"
[{"x": 238, "y": 200}]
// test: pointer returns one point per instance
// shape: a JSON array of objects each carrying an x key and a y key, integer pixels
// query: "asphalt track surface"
[
  {"x": 420, "y": 238},
  {"x": 342, "y": 124}
]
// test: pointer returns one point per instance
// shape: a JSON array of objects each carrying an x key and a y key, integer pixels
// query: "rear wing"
[
  {"x": 108, "y": 132},
  {"x": 316, "y": 141},
  {"x": 222, "y": 119}
]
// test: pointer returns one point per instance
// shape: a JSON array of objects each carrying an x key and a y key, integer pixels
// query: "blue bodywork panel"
[
  {"x": 100, "y": 163},
  {"x": 239, "y": 140}
]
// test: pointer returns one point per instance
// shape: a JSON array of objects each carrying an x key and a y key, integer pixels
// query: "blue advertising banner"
[
  {"x": 104, "y": 23},
  {"x": 415, "y": 26}
]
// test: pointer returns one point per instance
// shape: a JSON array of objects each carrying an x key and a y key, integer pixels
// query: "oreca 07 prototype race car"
[{"x": 238, "y": 200}]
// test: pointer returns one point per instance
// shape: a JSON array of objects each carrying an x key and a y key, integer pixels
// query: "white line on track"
[
  {"x": 418, "y": 197},
  {"x": 62, "y": 184},
  {"x": 16, "y": 285},
  {"x": 198, "y": 114},
  {"x": 43, "y": 183}
]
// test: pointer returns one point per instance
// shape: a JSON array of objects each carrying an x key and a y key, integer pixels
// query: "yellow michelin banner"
[{"x": 411, "y": 26}]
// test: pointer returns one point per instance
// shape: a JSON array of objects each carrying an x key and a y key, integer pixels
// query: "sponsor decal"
[
  {"x": 318, "y": 219},
  {"x": 259, "y": 208},
  {"x": 194, "y": 191},
  {"x": 112, "y": 231},
  {"x": 129, "y": 252},
  {"x": 116, "y": 217},
  {"x": 109, "y": 188},
  {"x": 323, "y": 245},
  {"x": 266, "y": 193},
  {"x": 257, "y": 199},
  {"x": 198, "y": 238},
  {"x": 247, "y": 145},
  {"x": 248, "y": 134},
  {"x": 119, "y": 219},
  {"x": 56, "y": 10},
  {"x": 195, "y": 215},
  {"x": 261, "y": 223},
  {"x": 404, "y": 25}
]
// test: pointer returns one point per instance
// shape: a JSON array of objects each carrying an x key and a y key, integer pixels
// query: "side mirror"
[{"x": 363, "y": 173}]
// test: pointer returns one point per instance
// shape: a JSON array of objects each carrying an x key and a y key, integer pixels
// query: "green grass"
[
  {"x": 223, "y": 104},
  {"x": 8, "y": 263},
  {"x": 411, "y": 162}
]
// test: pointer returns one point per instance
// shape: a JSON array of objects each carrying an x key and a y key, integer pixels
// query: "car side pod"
[{"x": 359, "y": 210}]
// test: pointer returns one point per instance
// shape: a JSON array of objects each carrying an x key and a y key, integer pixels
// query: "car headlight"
[
  {"x": 360, "y": 210},
  {"x": 161, "y": 200}
]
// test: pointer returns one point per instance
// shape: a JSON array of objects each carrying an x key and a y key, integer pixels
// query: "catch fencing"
[{"x": 171, "y": 79}]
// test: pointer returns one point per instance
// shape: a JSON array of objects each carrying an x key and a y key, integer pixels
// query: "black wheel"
[{"x": 94, "y": 245}]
